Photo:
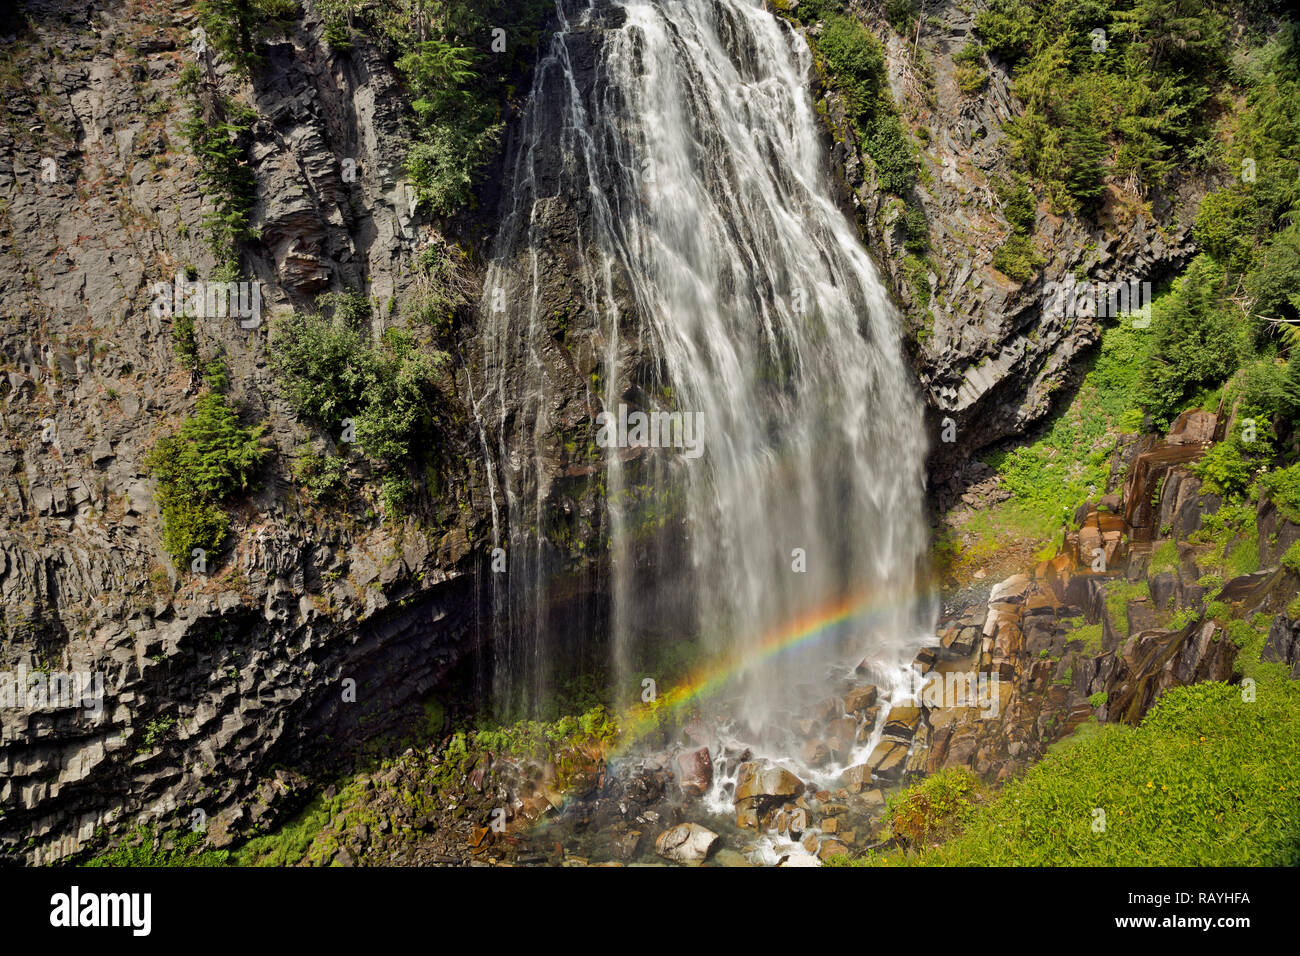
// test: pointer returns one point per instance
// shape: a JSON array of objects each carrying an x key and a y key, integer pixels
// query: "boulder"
[
  {"x": 829, "y": 848},
  {"x": 887, "y": 760},
  {"x": 902, "y": 722},
  {"x": 1012, "y": 590},
  {"x": 687, "y": 843},
  {"x": 855, "y": 778},
  {"x": 840, "y": 735},
  {"x": 754, "y": 780},
  {"x": 695, "y": 771},
  {"x": 859, "y": 699},
  {"x": 814, "y": 753}
]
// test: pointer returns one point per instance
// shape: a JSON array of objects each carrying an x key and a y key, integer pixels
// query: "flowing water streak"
[{"x": 700, "y": 156}]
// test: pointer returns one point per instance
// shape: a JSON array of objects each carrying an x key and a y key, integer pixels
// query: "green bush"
[
  {"x": 206, "y": 461},
  {"x": 915, "y": 229},
  {"x": 935, "y": 809},
  {"x": 220, "y": 145},
  {"x": 855, "y": 61},
  {"x": 329, "y": 371},
  {"x": 1008, "y": 27},
  {"x": 1196, "y": 341},
  {"x": 238, "y": 27},
  {"x": 1225, "y": 470},
  {"x": 1017, "y": 258},
  {"x": 901, "y": 14},
  {"x": 323, "y": 477},
  {"x": 1133, "y": 109},
  {"x": 970, "y": 72},
  {"x": 399, "y": 397},
  {"x": 890, "y": 149},
  {"x": 323, "y": 361},
  {"x": 1018, "y": 204},
  {"x": 1283, "y": 487}
]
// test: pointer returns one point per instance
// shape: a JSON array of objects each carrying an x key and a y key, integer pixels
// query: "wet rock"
[
  {"x": 695, "y": 771},
  {"x": 840, "y": 735},
  {"x": 626, "y": 844},
  {"x": 814, "y": 753},
  {"x": 760, "y": 789},
  {"x": 887, "y": 760},
  {"x": 859, "y": 699},
  {"x": 855, "y": 778},
  {"x": 687, "y": 843},
  {"x": 901, "y": 723},
  {"x": 725, "y": 857},
  {"x": 755, "y": 780}
]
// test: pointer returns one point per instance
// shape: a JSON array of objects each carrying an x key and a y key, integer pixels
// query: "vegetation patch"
[{"x": 210, "y": 458}]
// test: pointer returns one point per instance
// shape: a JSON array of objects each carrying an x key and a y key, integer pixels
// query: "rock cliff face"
[
  {"x": 207, "y": 676},
  {"x": 991, "y": 353}
]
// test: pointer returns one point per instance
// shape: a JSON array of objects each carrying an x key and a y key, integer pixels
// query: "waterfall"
[{"x": 672, "y": 151}]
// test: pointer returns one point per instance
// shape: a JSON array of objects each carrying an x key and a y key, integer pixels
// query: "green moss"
[
  {"x": 1164, "y": 557},
  {"x": 1291, "y": 560},
  {"x": 1091, "y": 635},
  {"x": 142, "y": 848}
]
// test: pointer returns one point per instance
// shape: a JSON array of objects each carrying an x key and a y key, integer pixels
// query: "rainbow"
[{"x": 643, "y": 718}]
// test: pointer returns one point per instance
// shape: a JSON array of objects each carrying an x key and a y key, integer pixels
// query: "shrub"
[
  {"x": 1007, "y": 27},
  {"x": 207, "y": 460},
  {"x": 323, "y": 477},
  {"x": 398, "y": 397},
  {"x": 237, "y": 27},
  {"x": 323, "y": 363},
  {"x": 915, "y": 229},
  {"x": 228, "y": 183},
  {"x": 855, "y": 60},
  {"x": 1225, "y": 470},
  {"x": 1017, "y": 258},
  {"x": 936, "y": 808},
  {"x": 330, "y": 372},
  {"x": 1196, "y": 341},
  {"x": 1018, "y": 204},
  {"x": 1141, "y": 99},
  {"x": 1283, "y": 487},
  {"x": 970, "y": 72},
  {"x": 901, "y": 14},
  {"x": 891, "y": 151}
]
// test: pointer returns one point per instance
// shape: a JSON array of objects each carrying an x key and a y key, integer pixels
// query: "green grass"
[
  {"x": 1164, "y": 557},
  {"x": 1091, "y": 635},
  {"x": 1119, "y": 594},
  {"x": 1291, "y": 560}
]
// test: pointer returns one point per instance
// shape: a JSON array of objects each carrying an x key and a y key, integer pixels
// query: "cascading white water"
[{"x": 697, "y": 157}]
